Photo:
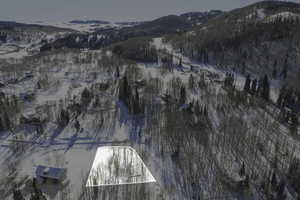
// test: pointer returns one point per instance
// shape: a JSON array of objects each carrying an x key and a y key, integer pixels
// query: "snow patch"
[
  {"x": 118, "y": 165},
  {"x": 282, "y": 16}
]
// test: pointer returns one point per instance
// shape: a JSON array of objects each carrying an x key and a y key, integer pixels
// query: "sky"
[{"x": 111, "y": 10}]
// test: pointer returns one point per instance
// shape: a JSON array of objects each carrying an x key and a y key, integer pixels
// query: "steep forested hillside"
[{"x": 261, "y": 38}]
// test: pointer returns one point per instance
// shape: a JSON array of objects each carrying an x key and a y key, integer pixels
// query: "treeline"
[
  {"x": 243, "y": 45},
  {"x": 9, "y": 108},
  {"x": 104, "y": 38},
  {"x": 139, "y": 49},
  {"x": 259, "y": 87},
  {"x": 130, "y": 96},
  {"x": 289, "y": 103}
]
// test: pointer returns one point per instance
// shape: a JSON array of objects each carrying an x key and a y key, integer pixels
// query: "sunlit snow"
[{"x": 118, "y": 165}]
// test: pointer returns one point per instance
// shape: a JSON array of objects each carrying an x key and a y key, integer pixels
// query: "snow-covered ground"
[{"x": 89, "y": 27}]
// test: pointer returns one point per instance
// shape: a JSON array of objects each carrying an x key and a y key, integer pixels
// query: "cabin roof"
[{"x": 49, "y": 172}]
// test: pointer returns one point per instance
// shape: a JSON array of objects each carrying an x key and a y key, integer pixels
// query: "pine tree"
[
  {"x": 17, "y": 195},
  {"x": 205, "y": 111},
  {"x": 182, "y": 99},
  {"x": 77, "y": 125},
  {"x": 274, "y": 181},
  {"x": 294, "y": 123},
  {"x": 7, "y": 122},
  {"x": 63, "y": 118},
  {"x": 274, "y": 73},
  {"x": 285, "y": 68},
  {"x": 197, "y": 108},
  {"x": 191, "y": 82},
  {"x": 280, "y": 98},
  {"x": 246, "y": 181},
  {"x": 96, "y": 102},
  {"x": 247, "y": 84},
  {"x": 242, "y": 171},
  {"x": 254, "y": 87},
  {"x": 136, "y": 102},
  {"x": 288, "y": 98},
  {"x": 281, "y": 191},
  {"x": 1, "y": 125},
  {"x": 259, "y": 87},
  {"x": 86, "y": 97},
  {"x": 266, "y": 88},
  {"x": 125, "y": 91},
  {"x": 117, "y": 72},
  {"x": 180, "y": 62},
  {"x": 37, "y": 194}
]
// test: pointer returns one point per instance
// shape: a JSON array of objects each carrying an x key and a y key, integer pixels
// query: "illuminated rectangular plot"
[{"x": 118, "y": 165}]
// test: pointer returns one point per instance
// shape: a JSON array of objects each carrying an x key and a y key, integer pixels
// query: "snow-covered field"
[
  {"x": 89, "y": 27},
  {"x": 29, "y": 46}
]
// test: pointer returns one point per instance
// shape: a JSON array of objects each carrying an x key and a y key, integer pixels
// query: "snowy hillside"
[
  {"x": 176, "y": 123},
  {"x": 162, "y": 110},
  {"x": 19, "y": 40},
  {"x": 282, "y": 16}
]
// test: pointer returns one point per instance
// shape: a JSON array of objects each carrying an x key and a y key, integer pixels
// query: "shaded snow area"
[
  {"x": 261, "y": 13},
  {"x": 169, "y": 130}
]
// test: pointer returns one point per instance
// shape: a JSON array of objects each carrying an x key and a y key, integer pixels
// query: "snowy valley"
[{"x": 185, "y": 112}]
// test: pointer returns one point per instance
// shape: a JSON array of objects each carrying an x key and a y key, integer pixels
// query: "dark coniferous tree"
[
  {"x": 77, "y": 125},
  {"x": 197, "y": 108},
  {"x": 182, "y": 98},
  {"x": 63, "y": 118},
  {"x": 242, "y": 171},
  {"x": 280, "y": 98},
  {"x": 17, "y": 195},
  {"x": 281, "y": 191},
  {"x": 1, "y": 125},
  {"x": 285, "y": 68},
  {"x": 247, "y": 84},
  {"x": 254, "y": 87},
  {"x": 191, "y": 82},
  {"x": 7, "y": 122},
  {"x": 294, "y": 123},
  {"x": 274, "y": 181},
  {"x": 37, "y": 193},
  {"x": 136, "y": 102},
  {"x": 125, "y": 91},
  {"x": 274, "y": 73},
  {"x": 266, "y": 88},
  {"x": 117, "y": 72},
  {"x": 86, "y": 97},
  {"x": 259, "y": 87}
]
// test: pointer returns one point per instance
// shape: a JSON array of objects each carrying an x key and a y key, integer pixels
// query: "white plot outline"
[{"x": 102, "y": 156}]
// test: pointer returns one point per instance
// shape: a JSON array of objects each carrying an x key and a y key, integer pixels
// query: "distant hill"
[
  {"x": 11, "y": 25},
  {"x": 164, "y": 25},
  {"x": 258, "y": 12},
  {"x": 20, "y": 39},
  {"x": 197, "y": 18},
  {"x": 89, "y": 22},
  {"x": 158, "y": 27},
  {"x": 259, "y": 38}
]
